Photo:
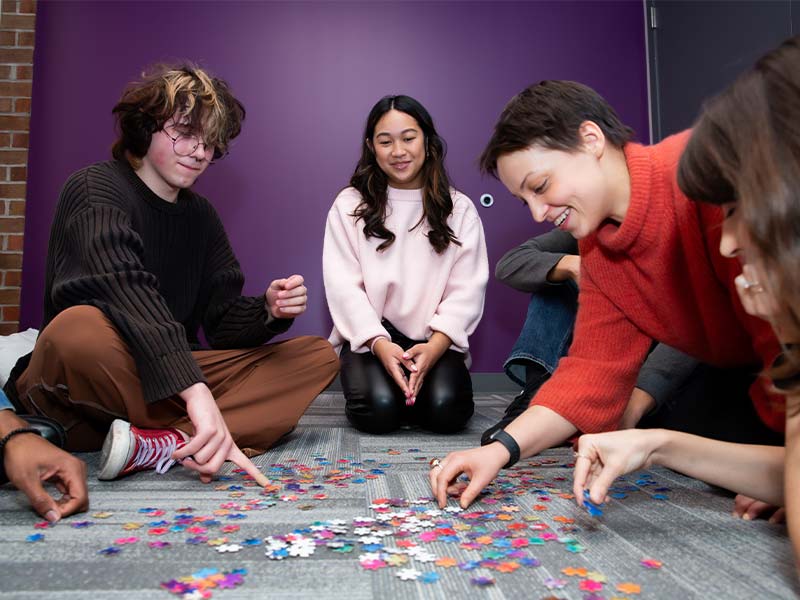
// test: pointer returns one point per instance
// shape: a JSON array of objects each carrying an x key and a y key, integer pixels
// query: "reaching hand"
[
  {"x": 393, "y": 359},
  {"x": 212, "y": 443},
  {"x": 603, "y": 457},
  {"x": 29, "y": 460},
  {"x": 287, "y": 298},
  {"x": 481, "y": 465}
]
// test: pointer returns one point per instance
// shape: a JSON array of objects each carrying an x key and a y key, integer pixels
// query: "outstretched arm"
[
  {"x": 588, "y": 391},
  {"x": 534, "y": 430},
  {"x": 752, "y": 470}
]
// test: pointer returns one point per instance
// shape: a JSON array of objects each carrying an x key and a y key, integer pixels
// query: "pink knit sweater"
[{"x": 409, "y": 284}]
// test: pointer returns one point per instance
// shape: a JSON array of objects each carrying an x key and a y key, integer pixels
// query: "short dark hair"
[
  {"x": 164, "y": 90},
  {"x": 550, "y": 113}
]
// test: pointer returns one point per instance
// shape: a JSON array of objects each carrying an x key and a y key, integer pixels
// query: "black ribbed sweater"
[{"x": 158, "y": 270}]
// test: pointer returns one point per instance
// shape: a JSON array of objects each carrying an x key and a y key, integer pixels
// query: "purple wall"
[{"x": 308, "y": 73}]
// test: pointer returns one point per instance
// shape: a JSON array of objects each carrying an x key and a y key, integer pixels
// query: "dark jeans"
[
  {"x": 547, "y": 332},
  {"x": 711, "y": 402},
  {"x": 375, "y": 404}
]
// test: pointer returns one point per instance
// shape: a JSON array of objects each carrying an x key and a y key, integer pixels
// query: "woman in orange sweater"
[
  {"x": 744, "y": 155},
  {"x": 650, "y": 270}
]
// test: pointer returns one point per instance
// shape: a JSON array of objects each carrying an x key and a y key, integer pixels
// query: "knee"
[
  {"x": 448, "y": 410},
  {"x": 77, "y": 336},
  {"x": 374, "y": 412},
  {"x": 321, "y": 353}
]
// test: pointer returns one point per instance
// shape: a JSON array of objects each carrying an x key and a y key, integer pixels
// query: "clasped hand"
[
  {"x": 417, "y": 360},
  {"x": 287, "y": 298}
]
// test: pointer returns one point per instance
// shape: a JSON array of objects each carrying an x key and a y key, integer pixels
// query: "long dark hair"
[
  {"x": 372, "y": 182},
  {"x": 745, "y": 148}
]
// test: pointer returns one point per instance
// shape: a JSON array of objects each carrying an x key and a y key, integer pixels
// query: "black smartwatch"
[{"x": 510, "y": 443}]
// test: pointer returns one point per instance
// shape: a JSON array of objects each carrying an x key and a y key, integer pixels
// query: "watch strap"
[{"x": 510, "y": 444}]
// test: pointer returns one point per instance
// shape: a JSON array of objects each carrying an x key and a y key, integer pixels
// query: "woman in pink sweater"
[{"x": 405, "y": 270}]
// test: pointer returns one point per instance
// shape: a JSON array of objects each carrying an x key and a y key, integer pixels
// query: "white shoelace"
[{"x": 155, "y": 452}]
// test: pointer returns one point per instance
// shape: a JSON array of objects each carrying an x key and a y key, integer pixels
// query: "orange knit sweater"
[{"x": 657, "y": 276}]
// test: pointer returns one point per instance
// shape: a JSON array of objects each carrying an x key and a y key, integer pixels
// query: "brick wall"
[{"x": 17, "y": 21}]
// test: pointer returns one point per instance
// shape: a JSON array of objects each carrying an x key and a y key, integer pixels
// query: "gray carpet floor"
[{"x": 522, "y": 540}]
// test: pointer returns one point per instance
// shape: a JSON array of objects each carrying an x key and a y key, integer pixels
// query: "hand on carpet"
[
  {"x": 749, "y": 509},
  {"x": 603, "y": 457},
  {"x": 481, "y": 465},
  {"x": 29, "y": 460},
  {"x": 212, "y": 443}
]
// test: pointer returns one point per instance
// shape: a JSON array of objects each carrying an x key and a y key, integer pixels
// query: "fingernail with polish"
[{"x": 746, "y": 517}]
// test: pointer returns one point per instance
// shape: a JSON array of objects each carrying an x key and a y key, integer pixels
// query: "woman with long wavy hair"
[
  {"x": 743, "y": 155},
  {"x": 405, "y": 271}
]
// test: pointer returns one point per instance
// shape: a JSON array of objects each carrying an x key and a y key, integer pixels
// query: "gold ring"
[
  {"x": 579, "y": 455},
  {"x": 435, "y": 462}
]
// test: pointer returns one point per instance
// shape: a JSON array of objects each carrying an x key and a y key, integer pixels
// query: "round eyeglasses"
[{"x": 185, "y": 144}]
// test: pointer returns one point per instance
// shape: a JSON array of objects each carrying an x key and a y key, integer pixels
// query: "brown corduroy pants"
[{"x": 82, "y": 375}]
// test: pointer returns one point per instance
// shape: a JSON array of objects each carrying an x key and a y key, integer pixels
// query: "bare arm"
[{"x": 752, "y": 470}]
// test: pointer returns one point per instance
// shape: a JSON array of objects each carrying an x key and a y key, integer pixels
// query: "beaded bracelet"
[{"x": 14, "y": 432}]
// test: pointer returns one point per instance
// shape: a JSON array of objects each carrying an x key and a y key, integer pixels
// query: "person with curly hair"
[{"x": 137, "y": 264}]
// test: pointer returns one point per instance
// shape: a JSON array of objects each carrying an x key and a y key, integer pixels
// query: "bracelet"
[
  {"x": 375, "y": 341},
  {"x": 14, "y": 432}
]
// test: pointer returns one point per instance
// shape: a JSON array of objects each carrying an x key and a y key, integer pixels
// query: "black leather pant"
[{"x": 375, "y": 403}]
